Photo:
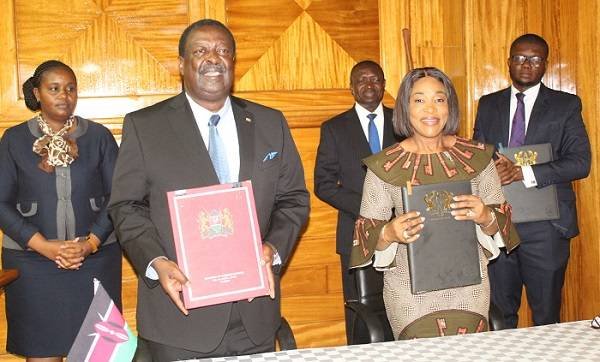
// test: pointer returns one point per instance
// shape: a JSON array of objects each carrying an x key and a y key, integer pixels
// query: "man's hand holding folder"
[
  {"x": 172, "y": 280},
  {"x": 268, "y": 253},
  {"x": 507, "y": 170}
]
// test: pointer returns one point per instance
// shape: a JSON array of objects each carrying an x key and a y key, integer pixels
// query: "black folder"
[
  {"x": 531, "y": 204},
  {"x": 446, "y": 254}
]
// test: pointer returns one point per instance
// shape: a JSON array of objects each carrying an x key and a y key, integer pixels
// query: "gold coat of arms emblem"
[
  {"x": 215, "y": 223},
  {"x": 526, "y": 158},
  {"x": 438, "y": 202}
]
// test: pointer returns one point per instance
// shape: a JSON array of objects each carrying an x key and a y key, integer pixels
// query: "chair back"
[
  {"x": 369, "y": 283},
  {"x": 369, "y": 308}
]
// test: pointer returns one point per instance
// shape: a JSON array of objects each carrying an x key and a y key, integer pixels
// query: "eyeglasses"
[{"x": 534, "y": 60}]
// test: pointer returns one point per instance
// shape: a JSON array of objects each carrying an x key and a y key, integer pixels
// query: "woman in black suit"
[{"x": 56, "y": 178}]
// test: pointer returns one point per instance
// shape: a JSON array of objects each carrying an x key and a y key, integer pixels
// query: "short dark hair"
[
  {"x": 34, "y": 82},
  {"x": 533, "y": 39},
  {"x": 198, "y": 24},
  {"x": 401, "y": 112},
  {"x": 362, "y": 64}
]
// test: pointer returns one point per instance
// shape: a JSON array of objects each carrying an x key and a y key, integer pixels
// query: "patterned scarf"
[{"x": 55, "y": 148}]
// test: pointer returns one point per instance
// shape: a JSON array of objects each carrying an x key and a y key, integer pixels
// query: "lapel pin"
[{"x": 248, "y": 119}]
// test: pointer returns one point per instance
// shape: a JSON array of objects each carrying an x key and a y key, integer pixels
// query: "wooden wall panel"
[
  {"x": 212, "y": 9},
  {"x": 394, "y": 16},
  {"x": 587, "y": 248},
  {"x": 304, "y": 57},
  {"x": 11, "y": 111},
  {"x": 111, "y": 45},
  {"x": 492, "y": 27},
  {"x": 491, "y": 30},
  {"x": 442, "y": 45},
  {"x": 254, "y": 36},
  {"x": 555, "y": 22},
  {"x": 354, "y": 25},
  {"x": 125, "y": 55},
  {"x": 488, "y": 42}
]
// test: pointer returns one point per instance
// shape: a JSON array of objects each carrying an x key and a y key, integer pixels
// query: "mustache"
[{"x": 211, "y": 68}]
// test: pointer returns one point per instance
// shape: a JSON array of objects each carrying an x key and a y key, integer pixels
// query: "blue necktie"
[
  {"x": 216, "y": 150},
  {"x": 373, "y": 134},
  {"x": 517, "y": 133}
]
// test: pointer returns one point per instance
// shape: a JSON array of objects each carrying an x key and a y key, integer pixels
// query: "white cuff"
[
  {"x": 383, "y": 258},
  {"x": 150, "y": 271},
  {"x": 491, "y": 243},
  {"x": 528, "y": 177},
  {"x": 276, "y": 256}
]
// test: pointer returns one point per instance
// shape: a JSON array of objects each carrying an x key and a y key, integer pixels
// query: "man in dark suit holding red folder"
[
  {"x": 204, "y": 136},
  {"x": 530, "y": 113}
]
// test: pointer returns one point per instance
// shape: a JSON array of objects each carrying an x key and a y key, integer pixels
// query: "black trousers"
[
  {"x": 539, "y": 264},
  {"x": 235, "y": 342}
]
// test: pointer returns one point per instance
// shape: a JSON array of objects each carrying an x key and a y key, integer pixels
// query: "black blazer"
[
  {"x": 28, "y": 197},
  {"x": 555, "y": 119},
  {"x": 339, "y": 171},
  {"x": 162, "y": 150}
]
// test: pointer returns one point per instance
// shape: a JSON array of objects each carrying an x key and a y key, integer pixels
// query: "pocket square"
[{"x": 270, "y": 155}]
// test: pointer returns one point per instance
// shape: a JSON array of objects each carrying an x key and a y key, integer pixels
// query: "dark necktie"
[
  {"x": 216, "y": 150},
  {"x": 373, "y": 134},
  {"x": 517, "y": 133}
]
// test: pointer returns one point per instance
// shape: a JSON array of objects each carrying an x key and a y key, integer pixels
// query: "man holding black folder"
[
  {"x": 201, "y": 137},
  {"x": 529, "y": 113}
]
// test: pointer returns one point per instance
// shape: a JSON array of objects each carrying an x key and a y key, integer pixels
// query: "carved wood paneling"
[
  {"x": 115, "y": 47},
  {"x": 354, "y": 26},
  {"x": 304, "y": 57}
]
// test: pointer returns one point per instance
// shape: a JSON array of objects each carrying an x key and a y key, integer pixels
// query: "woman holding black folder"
[
  {"x": 56, "y": 178},
  {"x": 427, "y": 114}
]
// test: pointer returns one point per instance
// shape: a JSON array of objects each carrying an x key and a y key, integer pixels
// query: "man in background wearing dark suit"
[
  {"x": 549, "y": 116},
  {"x": 204, "y": 136},
  {"x": 346, "y": 139}
]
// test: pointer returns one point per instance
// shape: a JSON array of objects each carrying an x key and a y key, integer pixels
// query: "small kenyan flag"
[{"x": 104, "y": 335}]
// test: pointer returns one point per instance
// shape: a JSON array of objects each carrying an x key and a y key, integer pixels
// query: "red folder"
[{"x": 218, "y": 243}]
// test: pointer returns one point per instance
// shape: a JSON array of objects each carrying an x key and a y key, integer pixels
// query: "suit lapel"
[
  {"x": 244, "y": 122},
  {"x": 357, "y": 135},
  {"x": 388, "y": 127},
  {"x": 184, "y": 126},
  {"x": 503, "y": 122},
  {"x": 536, "y": 123}
]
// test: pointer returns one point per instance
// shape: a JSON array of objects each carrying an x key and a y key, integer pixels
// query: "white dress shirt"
[
  {"x": 529, "y": 99},
  {"x": 227, "y": 131},
  {"x": 364, "y": 121}
]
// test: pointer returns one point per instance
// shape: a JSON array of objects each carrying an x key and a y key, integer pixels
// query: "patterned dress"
[{"x": 443, "y": 312}]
